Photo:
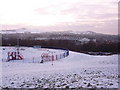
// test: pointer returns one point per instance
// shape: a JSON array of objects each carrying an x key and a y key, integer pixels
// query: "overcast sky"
[{"x": 51, "y": 15}]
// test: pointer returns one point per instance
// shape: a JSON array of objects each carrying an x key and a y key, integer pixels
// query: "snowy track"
[{"x": 75, "y": 71}]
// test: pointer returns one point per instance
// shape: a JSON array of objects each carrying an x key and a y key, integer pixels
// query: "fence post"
[
  {"x": 33, "y": 59},
  {"x": 56, "y": 57}
]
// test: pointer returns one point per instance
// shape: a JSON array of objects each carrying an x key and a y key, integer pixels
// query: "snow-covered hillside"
[
  {"x": 29, "y": 53},
  {"x": 75, "y": 71}
]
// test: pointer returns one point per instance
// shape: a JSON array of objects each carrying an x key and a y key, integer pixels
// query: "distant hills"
[
  {"x": 86, "y": 41},
  {"x": 24, "y": 30}
]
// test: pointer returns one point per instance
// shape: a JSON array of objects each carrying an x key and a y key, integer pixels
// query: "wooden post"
[{"x": 33, "y": 59}]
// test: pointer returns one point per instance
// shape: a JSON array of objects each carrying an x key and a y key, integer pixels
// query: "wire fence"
[
  {"x": 53, "y": 57},
  {"x": 44, "y": 57}
]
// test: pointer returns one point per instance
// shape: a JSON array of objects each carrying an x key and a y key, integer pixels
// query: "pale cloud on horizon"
[{"x": 81, "y": 15}]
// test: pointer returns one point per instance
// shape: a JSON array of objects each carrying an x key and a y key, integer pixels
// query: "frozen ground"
[{"x": 75, "y": 71}]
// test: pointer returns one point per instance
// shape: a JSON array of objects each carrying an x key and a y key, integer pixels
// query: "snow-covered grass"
[
  {"x": 75, "y": 71},
  {"x": 30, "y": 54}
]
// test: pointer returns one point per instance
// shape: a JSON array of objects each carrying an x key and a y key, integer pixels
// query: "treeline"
[{"x": 91, "y": 46}]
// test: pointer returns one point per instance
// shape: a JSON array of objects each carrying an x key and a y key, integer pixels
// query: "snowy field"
[
  {"x": 74, "y": 71},
  {"x": 29, "y": 54}
]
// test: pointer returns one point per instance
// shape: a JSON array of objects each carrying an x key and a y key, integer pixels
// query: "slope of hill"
[{"x": 75, "y": 71}]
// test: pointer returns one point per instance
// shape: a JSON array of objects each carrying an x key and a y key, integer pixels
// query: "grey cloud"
[
  {"x": 107, "y": 15},
  {"x": 81, "y": 10}
]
